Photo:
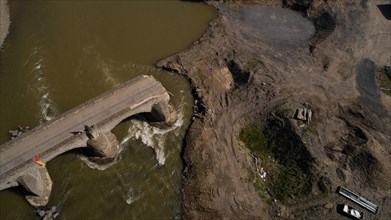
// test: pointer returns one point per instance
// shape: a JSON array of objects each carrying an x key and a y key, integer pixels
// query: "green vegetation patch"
[
  {"x": 260, "y": 187},
  {"x": 384, "y": 81},
  {"x": 284, "y": 112},
  {"x": 291, "y": 179},
  {"x": 254, "y": 140},
  {"x": 286, "y": 145},
  {"x": 289, "y": 182},
  {"x": 324, "y": 185},
  {"x": 283, "y": 156}
]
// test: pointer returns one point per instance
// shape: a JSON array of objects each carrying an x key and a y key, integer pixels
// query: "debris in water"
[
  {"x": 49, "y": 214},
  {"x": 17, "y": 132}
]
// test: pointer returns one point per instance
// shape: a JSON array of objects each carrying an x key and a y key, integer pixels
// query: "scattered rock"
[
  {"x": 13, "y": 133},
  {"x": 48, "y": 214},
  {"x": 55, "y": 215},
  {"x": 17, "y": 132},
  {"x": 53, "y": 209},
  {"x": 41, "y": 212},
  {"x": 303, "y": 114},
  {"x": 328, "y": 206}
]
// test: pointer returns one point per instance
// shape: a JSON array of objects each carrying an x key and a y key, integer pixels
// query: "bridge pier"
[
  {"x": 36, "y": 180},
  {"x": 103, "y": 144},
  {"x": 163, "y": 114}
]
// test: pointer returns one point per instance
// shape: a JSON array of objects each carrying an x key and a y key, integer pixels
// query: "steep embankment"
[{"x": 253, "y": 67}]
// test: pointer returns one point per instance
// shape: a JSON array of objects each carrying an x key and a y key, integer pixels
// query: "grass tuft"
[
  {"x": 254, "y": 140},
  {"x": 384, "y": 81}
]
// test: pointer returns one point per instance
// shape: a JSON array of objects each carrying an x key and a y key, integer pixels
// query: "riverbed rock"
[
  {"x": 41, "y": 212},
  {"x": 13, "y": 133},
  {"x": 328, "y": 205},
  {"x": 51, "y": 213}
]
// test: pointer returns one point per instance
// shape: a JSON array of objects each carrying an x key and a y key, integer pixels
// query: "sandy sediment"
[{"x": 4, "y": 20}]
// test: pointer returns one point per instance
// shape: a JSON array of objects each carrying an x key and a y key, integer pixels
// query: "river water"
[{"x": 59, "y": 54}]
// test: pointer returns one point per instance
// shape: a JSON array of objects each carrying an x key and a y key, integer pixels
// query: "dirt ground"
[{"x": 258, "y": 57}]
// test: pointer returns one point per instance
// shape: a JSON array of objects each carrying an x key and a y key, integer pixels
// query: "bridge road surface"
[{"x": 46, "y": 136}]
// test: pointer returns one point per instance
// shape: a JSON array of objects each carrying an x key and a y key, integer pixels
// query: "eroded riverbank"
[{"x": 4, "y": 21}]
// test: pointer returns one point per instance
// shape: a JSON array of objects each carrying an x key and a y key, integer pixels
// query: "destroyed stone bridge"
[{"x": 86, "y": 126}]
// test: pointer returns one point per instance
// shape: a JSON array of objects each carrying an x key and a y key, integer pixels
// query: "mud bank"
[
  {"x": 244, "y": 72},
  {"x": 4, "y": 21}
]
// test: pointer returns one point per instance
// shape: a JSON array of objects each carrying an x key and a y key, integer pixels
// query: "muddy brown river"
[{"x": 59, "y": 54}]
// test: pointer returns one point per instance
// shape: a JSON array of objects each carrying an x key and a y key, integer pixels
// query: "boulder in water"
[{"x": 41, "y": 212}]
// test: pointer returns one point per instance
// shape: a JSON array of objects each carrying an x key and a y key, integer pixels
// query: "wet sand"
[{"x": 4, "y": 21}]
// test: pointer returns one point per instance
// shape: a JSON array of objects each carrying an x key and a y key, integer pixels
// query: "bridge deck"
[{"x": 41, "y": 139}]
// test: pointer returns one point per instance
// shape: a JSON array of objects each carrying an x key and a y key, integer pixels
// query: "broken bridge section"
[{"x": 86, "y": 126}]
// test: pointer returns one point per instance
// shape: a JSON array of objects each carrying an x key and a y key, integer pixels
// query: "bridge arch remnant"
[
  {"x": 142, "y": 95},
  {"x": 105, "y": 144}
]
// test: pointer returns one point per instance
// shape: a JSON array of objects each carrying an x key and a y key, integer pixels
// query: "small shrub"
[
  {"x": 324, "y": 185},
  {"x": 384, "y": 80},
  {"x": 251, "y": 65},
  {"x": 289, "y": 181},
  {"x": 284, "y": 112},
  {"x": 260, "y": 186}
]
